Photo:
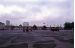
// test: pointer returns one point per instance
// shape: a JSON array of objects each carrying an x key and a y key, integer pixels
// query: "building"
[
  {"x": 25, "y": 24},
  {"x": 7, "y": 23},
  {"x": 2, "y": 25}
]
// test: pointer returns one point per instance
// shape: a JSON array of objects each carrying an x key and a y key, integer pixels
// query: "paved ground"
[{"x": 20, "y": 39}]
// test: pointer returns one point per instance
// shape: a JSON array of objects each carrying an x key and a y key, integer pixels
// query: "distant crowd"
[{"x": 67, "y": 25}]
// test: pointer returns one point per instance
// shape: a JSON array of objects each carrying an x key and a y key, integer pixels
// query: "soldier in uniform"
[
  {"x": 27, "y": 29},
  {"x": 23, "y": 29}
]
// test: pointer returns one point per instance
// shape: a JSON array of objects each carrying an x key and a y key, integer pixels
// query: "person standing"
[
  {"x": 23, "y": 29},
  {"x": 27, "y": 29}
]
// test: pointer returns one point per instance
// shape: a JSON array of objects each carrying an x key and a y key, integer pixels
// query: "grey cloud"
[{"x": 34, "y": 7}]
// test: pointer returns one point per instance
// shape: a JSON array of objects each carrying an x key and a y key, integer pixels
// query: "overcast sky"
[{"x": 36, "y": 11}]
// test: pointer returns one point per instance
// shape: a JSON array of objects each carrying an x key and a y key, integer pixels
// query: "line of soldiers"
[{"x": 27, "y": 29}]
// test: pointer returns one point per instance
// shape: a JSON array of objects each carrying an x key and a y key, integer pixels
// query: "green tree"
[
  {"x": 68, "y": 25},
  {"x": 20, "y": 25},
  {"x": 34, "y": 27},
  {"x": 72, "y": 25},
  {"x": 44, "y": 27}
]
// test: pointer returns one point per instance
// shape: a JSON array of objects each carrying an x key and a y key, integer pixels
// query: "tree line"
[{"x": 69, "y": 25}]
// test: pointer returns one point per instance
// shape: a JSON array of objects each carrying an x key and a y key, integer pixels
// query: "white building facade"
[
  {"x": 7, "y": 23},
  {"x": 26, "y": 24}
]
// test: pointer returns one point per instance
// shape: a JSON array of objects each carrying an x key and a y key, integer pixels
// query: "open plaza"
[{"x": 36, "y": 39}]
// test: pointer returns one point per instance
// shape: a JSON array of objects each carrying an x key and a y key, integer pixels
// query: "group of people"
[{"x": 26, "y": 29}]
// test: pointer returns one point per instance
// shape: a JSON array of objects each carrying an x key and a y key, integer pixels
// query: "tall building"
[
  {"x": 7, "y": 23},
  {"x": 25, "y": 24},
  {"x": 2, "y": 25}
]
